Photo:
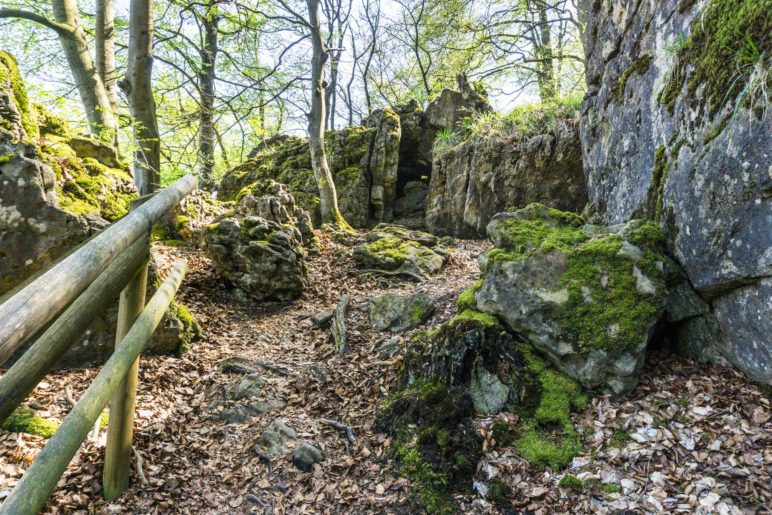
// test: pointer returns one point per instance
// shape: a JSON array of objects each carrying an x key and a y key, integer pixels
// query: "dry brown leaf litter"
[{"x": 689, "y": 438}]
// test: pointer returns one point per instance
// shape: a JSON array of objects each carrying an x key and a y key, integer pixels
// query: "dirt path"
[{"x": 656, "y": 447}]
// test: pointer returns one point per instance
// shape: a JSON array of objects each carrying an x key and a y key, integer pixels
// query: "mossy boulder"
[
  {"x": 587, "y": 297},
  {"x": 263, "y": 259},
  {"x": 395, "y": 313},
  {"x": 474, "y": 366},
  {"x": 392, "y": 247},
  {"x": 190, "y": 218}
]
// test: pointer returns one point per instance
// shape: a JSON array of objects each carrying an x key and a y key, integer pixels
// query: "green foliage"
[
  {"x": 499, "y": 493},
  {"x": 24, "y": 420},
  {"x": 727, "y": 44}
]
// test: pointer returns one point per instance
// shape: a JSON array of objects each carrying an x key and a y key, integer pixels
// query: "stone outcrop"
[
  {"x": 486, "y": 174},
  {"x": 675, "y": 128},
  {"x": 362, "y": 160},
  {"x": 394, "y": 248},
  {"x": 264, "y": 258},
  {"x": 57, "y": 189},
  {"x": 587, "y": 297}
]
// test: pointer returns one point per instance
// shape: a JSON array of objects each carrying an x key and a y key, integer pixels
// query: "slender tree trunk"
[
  {"x": 104, "y": 47},
  {"x": 206, "y": 131},
  {"x": 546, "y": 79},
  {"x": 328, "y": 201},
  {"x": 138, "y": 89},
  {"x": 92, "y": 92}
]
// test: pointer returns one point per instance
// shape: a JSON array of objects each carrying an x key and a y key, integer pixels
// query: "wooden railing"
[{"x": 61, "y": 303}]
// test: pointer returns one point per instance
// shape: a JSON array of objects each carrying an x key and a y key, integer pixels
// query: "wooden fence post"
[{"x": 120, "y": 428}]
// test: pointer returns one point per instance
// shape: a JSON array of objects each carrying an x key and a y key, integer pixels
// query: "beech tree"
[{"x": 137, "y": 86}]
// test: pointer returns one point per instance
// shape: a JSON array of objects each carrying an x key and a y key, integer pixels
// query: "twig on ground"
[
  {"x": 338, "y": 329},
  {"x": 68, "y": 396},
  {"x": 140, "y": 467}
]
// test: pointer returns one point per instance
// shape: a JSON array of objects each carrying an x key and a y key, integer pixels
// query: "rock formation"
[
  {"x": 394, "y": 248},
  {"x": 674, "y": 128},
  {"x": 485, "y": 174},
  {"x": 57, "y": 189},
  {"x": 263, "y": 256}
]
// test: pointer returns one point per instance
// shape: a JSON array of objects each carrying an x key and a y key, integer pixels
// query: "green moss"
[
  {"x": 618, "y": 439},
  {"x": 9, "y": 73},
  {"x": 467, "y": 299},
  {"x": 6, "y": 158},
  {"x": 609, "y": 488},
  {"x": 638, "y": 67},
  {"x": 104, "y": 420},
  {"x": 617, "y": 314},
  {"x": 24, "y": 420},
  {"x": 391, "y": 247},
  {"x": 49, "y": 123},
  {"x": 471, "y": 316},
  {"x": 547, "y": 435},
  {"x": 570, "y": 482},
  {"x": 725, "y": 43},
  {"x": 430, "y": 485},
  {"x": 419, "y": 312}
]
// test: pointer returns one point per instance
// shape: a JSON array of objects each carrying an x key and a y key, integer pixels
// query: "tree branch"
[{"x": 60, "y": 28}]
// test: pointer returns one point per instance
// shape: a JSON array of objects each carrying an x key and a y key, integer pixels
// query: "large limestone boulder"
[
  {"x": 262, "y": 258},
  {"x": 675, "y": 127},
  {"x": 484, "y": 174},
  {"x": 587, "y": 297},
  {"x": 473, "y": 366}
]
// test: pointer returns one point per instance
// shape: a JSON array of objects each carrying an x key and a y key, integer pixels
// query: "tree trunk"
[
  {"x": 92, "y": 92},
  {"x": 104, "y": 46},
  {"x": 546, "y": 78},
  {"x": 206, "y": 79},
  {"x": 328, "y": 201},
  {"x": 138, "y": 89}
]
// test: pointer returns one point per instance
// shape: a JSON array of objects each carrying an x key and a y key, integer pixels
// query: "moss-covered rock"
[
  {"x": 586, "y": 296},
  {"x": 392, "y": 312},
  {"x": 392, "y": 247},
  {"x": 15, "y": 114},
  {"x": 263, "y": 259},
  {"x": 466, "y": 367}
]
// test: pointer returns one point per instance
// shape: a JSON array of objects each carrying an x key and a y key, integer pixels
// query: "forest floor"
[{"x": 689, "y": 439}]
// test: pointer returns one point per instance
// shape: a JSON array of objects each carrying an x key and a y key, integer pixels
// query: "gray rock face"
[
  {"x": 664, "y": 137},
  {"x": 306, "y": 456},
  {"x": 261, "y": 258},
  {"x": 395, "y": 313},
  {"x": 481, "y": 177},
  {"x": 587, "y": 297},
  {"x": 384, "y": 158}
]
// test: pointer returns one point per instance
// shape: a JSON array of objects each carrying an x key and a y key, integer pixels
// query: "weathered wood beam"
[
  {"x": 37, "y": 361},
  {"x": 41, "y": 478},
  {"x": 30, "y": 310}
]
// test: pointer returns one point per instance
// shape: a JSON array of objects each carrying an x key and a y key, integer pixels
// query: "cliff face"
[
  {"x": 484, "y": 175},
  {"x": 676, "y": 127}
]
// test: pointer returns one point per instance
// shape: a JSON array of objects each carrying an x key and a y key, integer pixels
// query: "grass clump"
[{"x": 570, "y": 482}]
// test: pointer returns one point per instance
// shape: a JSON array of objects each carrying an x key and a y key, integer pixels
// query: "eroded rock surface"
[
  {"x": 395, "y": 313},
  {"x": 674, "y": 128},
  {"x": 392, "y": 247}
]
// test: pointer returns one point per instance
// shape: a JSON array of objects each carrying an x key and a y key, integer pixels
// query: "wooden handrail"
[
  {"x": 41, "y": 478},
  {"x": 29, "y": 311},
  {"x": 37, "y": 361}
]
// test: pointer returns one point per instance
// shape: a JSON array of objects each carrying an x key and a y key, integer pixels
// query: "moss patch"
[
  {"x": 467, "y": 298},
  {"x": 24, "y": 420},
  {"x": 471, "y": 316},
  {"x": 637, "y": 67},
  {"x": 719, "y": 53},
  {"x": 9, "y": 74}
]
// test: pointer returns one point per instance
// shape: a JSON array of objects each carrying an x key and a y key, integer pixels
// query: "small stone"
[
  {"x": 396, "y": 313},
  {"x": 275, "y": 438},
  {"x": 389, "y": 347},
  {"x": 305, "y": 456}
]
